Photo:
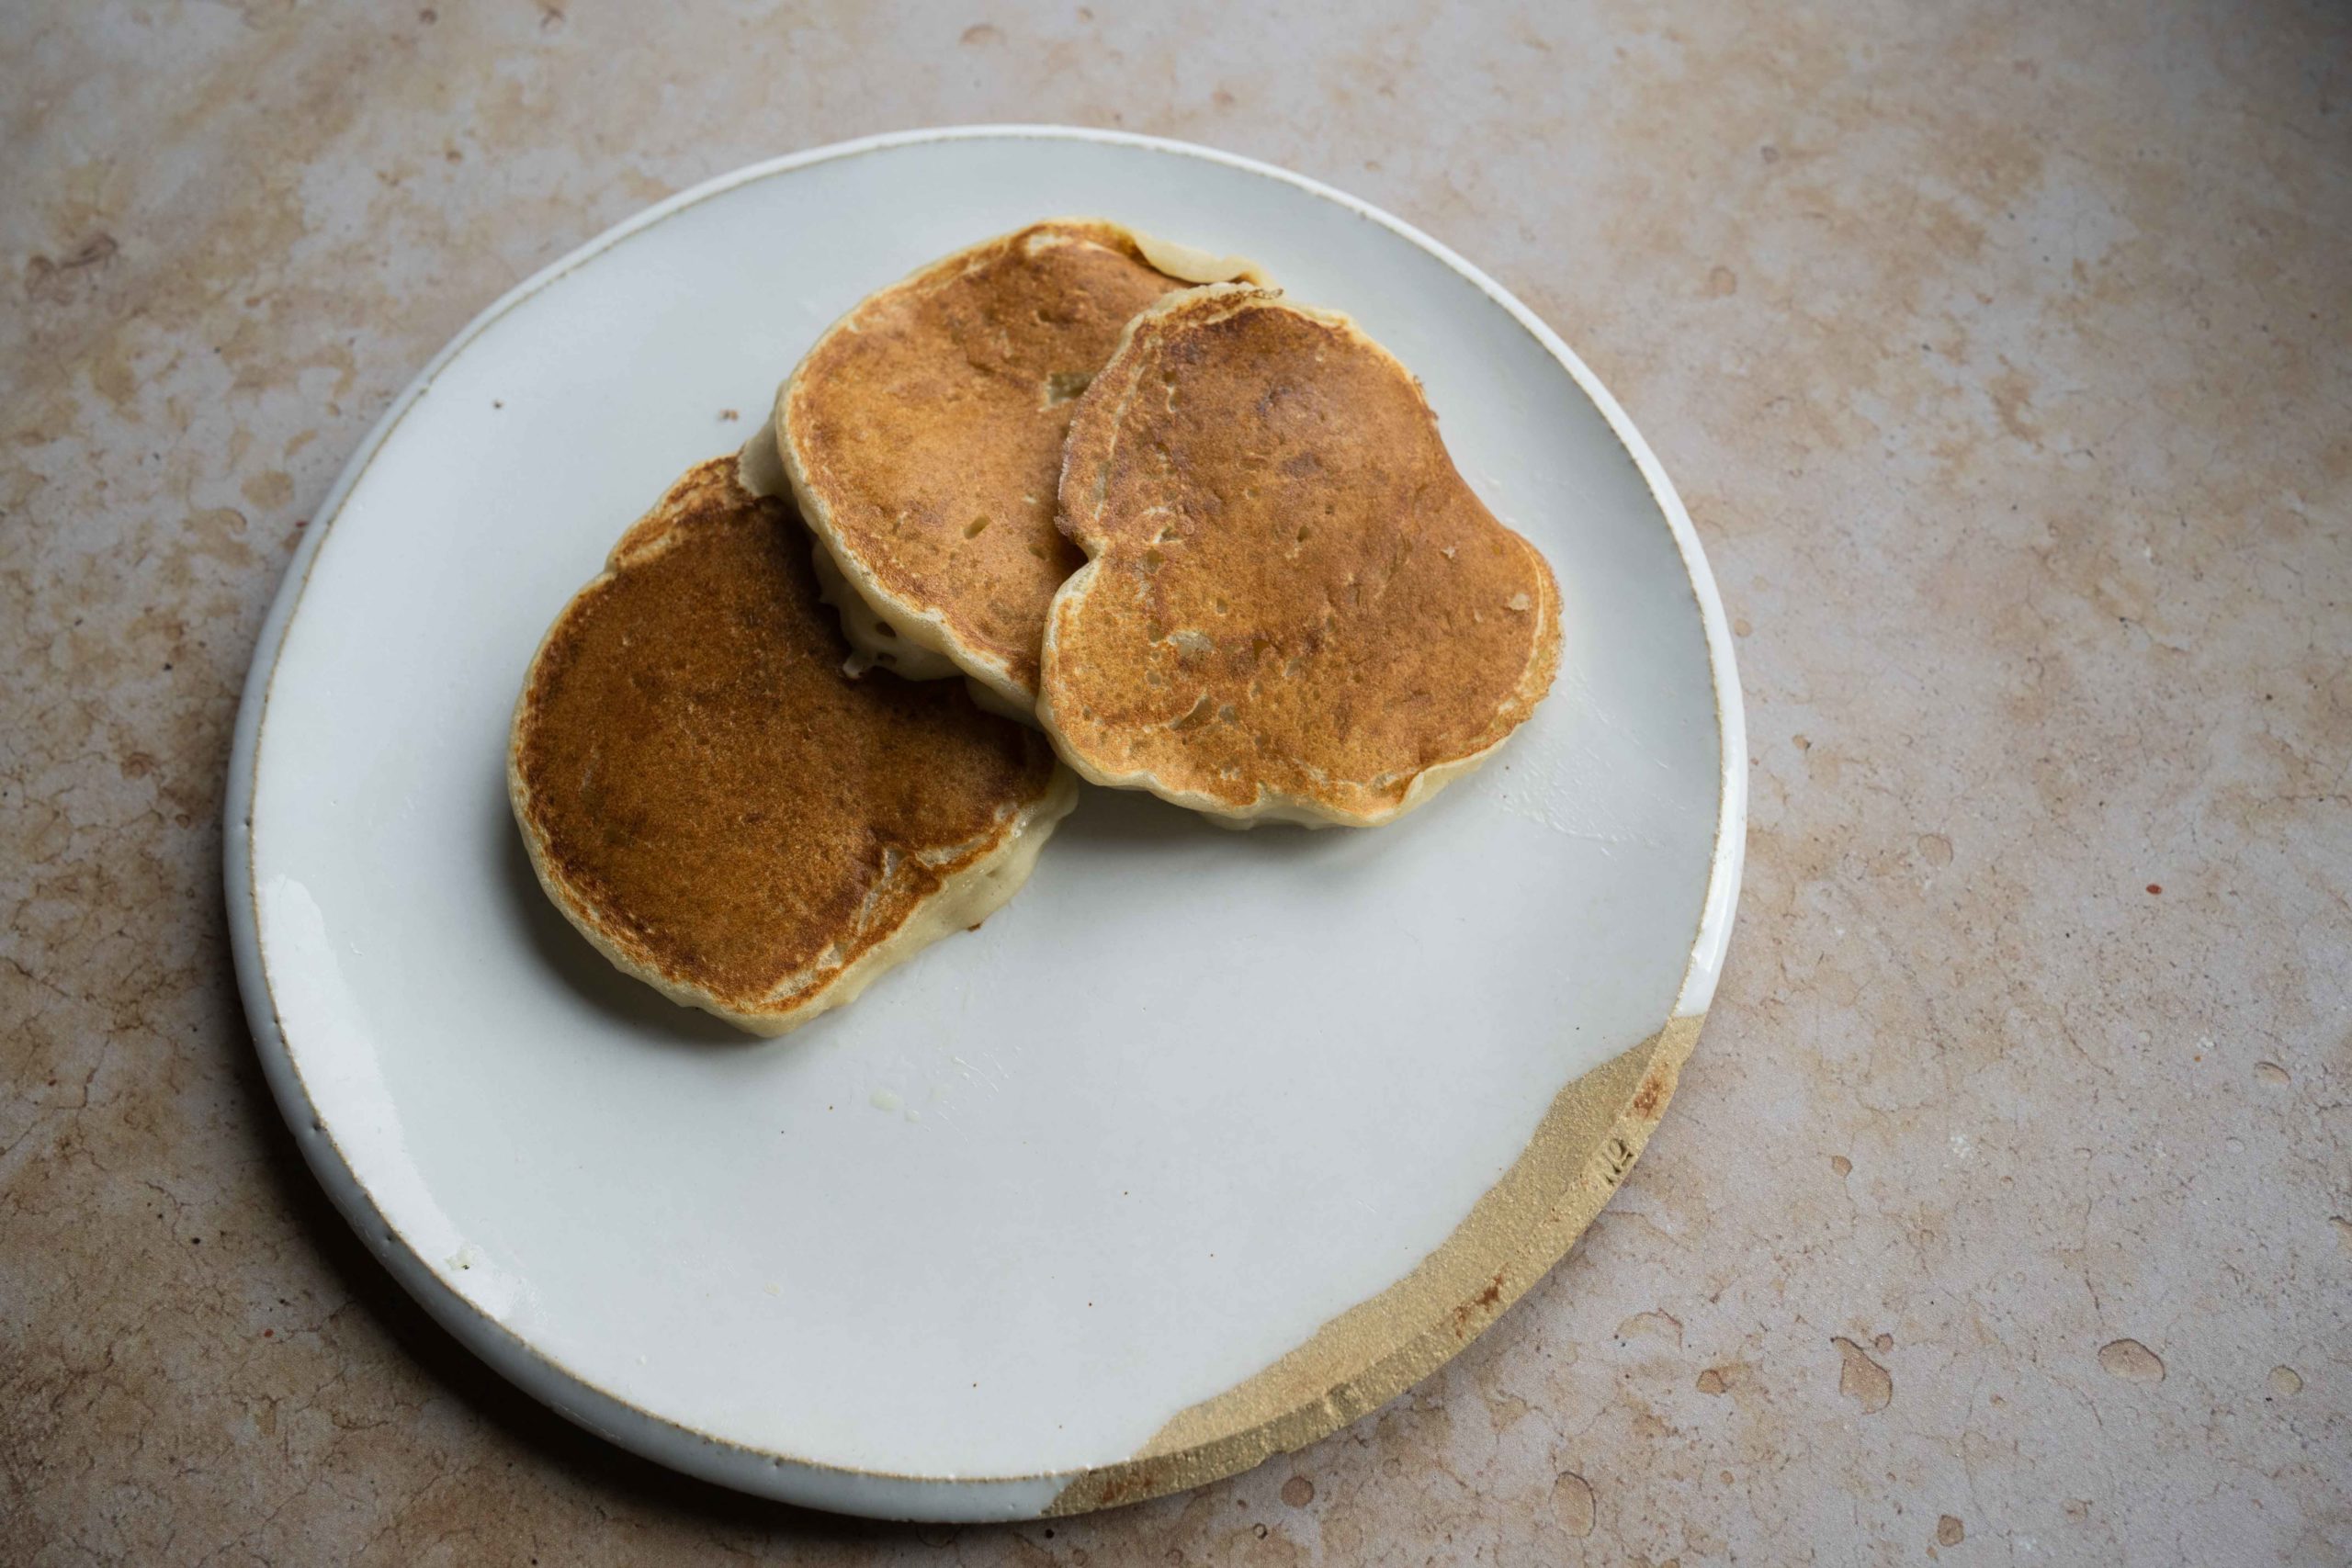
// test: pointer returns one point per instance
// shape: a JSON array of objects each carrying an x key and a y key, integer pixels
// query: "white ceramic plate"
[{"x": 1077, "y": 1207}]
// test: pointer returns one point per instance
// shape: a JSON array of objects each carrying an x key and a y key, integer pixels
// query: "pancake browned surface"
[
  {"x": 720, "y": 809},
  {"x": 923, "y": 435},
  {"x": 1295, "y": 607}
]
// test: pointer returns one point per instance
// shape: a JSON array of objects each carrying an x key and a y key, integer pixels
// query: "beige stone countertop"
[{"x": 2004, "y": 356}]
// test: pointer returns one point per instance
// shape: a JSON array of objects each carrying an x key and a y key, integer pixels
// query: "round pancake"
[
  {"x": 923, "y": 437},
  {"x": 721, "y": 809},
  {"x": 1294, "y": 606}
]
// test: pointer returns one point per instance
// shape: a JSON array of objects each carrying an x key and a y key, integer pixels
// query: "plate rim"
[{"x": 810, "y": 1482}]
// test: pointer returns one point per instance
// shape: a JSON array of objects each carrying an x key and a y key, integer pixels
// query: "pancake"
[
  {"x": 1293, "y": 607},
  {"x": 725, "y": 812},
  {"x": 924, "y": 436}
]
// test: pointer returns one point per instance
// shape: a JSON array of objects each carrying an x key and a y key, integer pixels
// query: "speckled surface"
[{"x": 2005, "y": 359}]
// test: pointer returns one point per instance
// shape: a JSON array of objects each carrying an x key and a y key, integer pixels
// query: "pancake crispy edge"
[
  {"x": 913, "y": 815},
  {"x": 923, "y": 432},
  {"x": 1293, "y": 607}
]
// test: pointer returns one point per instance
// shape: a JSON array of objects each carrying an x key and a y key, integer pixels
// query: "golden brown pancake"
[
  {"x": 924, "y": 436},
  {"x": 724, "y": 812},
  {"x": 1294, "y": 606}
]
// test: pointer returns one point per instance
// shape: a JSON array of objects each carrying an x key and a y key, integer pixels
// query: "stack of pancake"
[{"x": 1075, "y": 501}]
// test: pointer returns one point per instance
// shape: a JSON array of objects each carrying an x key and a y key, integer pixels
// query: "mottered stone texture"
[{"x": 2003, "y": 354}]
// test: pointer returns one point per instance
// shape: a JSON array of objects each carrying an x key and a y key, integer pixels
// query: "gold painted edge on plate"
[{"x": 1587, "y": 1140}]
